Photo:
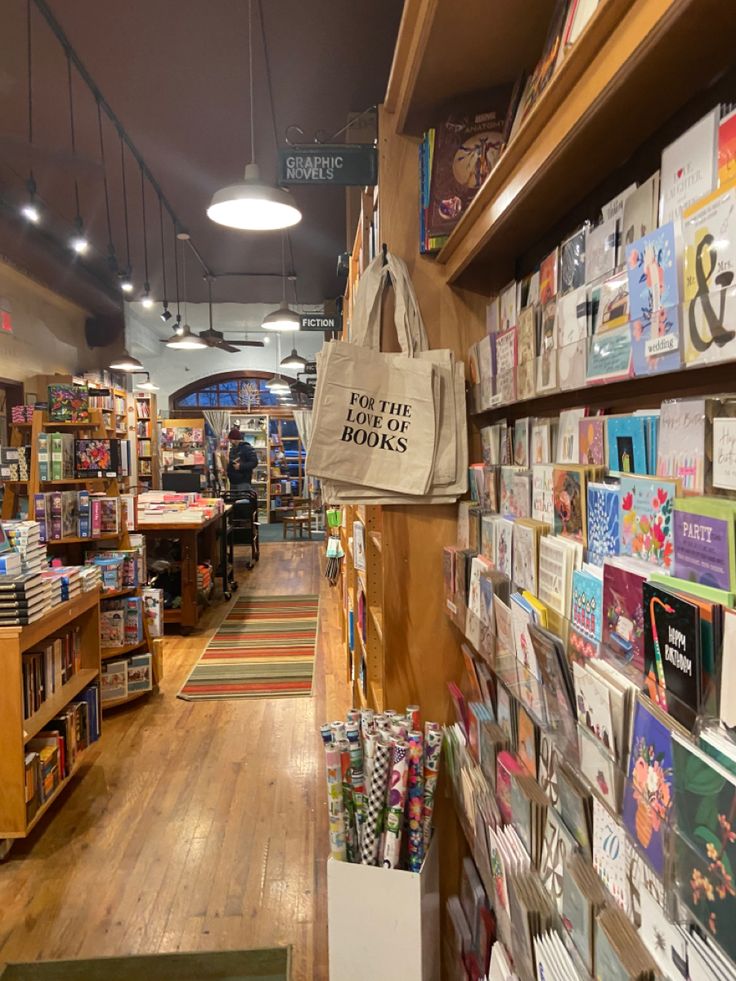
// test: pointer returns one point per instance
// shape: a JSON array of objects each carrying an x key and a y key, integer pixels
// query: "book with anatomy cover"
[
  {"x": 646, "y": 518},
  {"x": 467, "y": 147},
  {"x": 672, "y": 655},
  {"x": 654, "y": 299},
  {"x": 709, "y": 229},
  {"x": 689, "y": 168}
]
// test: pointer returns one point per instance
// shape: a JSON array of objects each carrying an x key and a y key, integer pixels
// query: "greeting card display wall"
[{"x": 182, "y": 444}]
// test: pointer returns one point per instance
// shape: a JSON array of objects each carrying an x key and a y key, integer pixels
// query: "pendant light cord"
[
  {"x": 283, "y": 270},
  {"x": 110, "y": 245},
  {"x": 176, "y": 267},
  {"x": 125, "y": 202},
  {"x": 31, "y": 180},
  {"x": 163, "y": 249},
  {"x": 145, "y": 232},
  {"x": 71, "y": 130},
  {"x": 184, "y": 278},
  {"x": 252, "y": 94}
]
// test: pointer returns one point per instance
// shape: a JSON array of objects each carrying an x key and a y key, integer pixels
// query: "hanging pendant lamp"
[
  {"x": 284, "y": 318},
  {"x": 183, "y": 338},
  {"x": 252, "y": 204},
  {"x": 294, "y": 360}
]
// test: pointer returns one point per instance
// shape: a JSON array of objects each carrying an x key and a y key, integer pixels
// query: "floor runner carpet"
[{"x": 264, "y": 648}]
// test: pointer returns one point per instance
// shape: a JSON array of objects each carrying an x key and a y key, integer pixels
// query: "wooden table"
[{"x": 198, "y": 542}]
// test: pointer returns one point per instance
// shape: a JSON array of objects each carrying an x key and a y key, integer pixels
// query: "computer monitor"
[{"x": 181, "y": 481}]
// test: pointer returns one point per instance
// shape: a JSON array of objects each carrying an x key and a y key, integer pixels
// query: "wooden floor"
[{"x": 197, "y": 825}]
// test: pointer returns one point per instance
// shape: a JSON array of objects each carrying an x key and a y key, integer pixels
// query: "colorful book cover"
[
  {"x": 627, "y": 446},
  {"x": 591, "y": 441},
  {"x": 569, "y": 503},
  {"x": 654, "y": 302},
  {"x": 94, "y": 455},
  {"x": 68, "y": 403},
  {"x": 705, "y": 846},
  {"x": 649, "y": 790},
  {"x": 704, "y": 540},
  {"x": 645, "y": 518},
  {"x": 672, "y": 658},
  {"x": 587, "y": 604},
  {"x": 709, "y": 229},
  {"x": 623, "y": 624},
  {"x": 688, "y": 170}
]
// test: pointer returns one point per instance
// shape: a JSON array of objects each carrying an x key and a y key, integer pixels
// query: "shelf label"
[{"x": 342, "y": 164}]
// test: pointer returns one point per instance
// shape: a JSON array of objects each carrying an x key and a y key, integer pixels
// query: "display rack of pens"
[{"x": 382, "y": 774}]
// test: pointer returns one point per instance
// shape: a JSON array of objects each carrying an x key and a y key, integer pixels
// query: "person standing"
[{"x": 242, "y": 461}]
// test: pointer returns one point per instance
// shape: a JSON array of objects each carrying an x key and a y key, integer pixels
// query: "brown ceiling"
[{"x": 176, "y": 74}]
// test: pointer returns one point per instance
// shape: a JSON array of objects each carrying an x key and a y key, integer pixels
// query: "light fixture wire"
[
  {"x": 72, "y": 132},
  {"x": 111, "y": 258},
  {"x": 163, "y": 249},
  {"x": 252, "y": 91},
  {"x": 146, "y": 284},
  {"x": 31, "y": 179},
  {"x": 125, "y": 201},
  {"x": 176, "y": 268}
]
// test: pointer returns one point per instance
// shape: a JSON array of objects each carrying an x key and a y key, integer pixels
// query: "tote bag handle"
[{"x": 366, "y": 327}]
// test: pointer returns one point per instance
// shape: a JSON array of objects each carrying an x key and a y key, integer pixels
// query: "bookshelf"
[
  {"x": 287, "y": 464},
  {"x": 147, "y": 441},
  {"x": 15, "y": 731},
  {"x": 257, "y": 428}
]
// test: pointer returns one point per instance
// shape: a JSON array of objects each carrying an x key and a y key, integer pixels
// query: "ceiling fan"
[{"x": 216, "y": 338}]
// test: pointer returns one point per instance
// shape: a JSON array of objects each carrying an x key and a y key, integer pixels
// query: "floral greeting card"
[
  {"x": 649, "y": 790},
  {"x": 646, "y": 519}
]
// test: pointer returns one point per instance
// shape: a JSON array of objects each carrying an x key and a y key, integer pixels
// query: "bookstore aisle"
[{"x": 195, "y": 825}]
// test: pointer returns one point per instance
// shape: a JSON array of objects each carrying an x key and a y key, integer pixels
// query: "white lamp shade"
[
  {"x": 282, "y": 319},
  {"x": 148, "y": 387},
  {"x": 126, "y": 363},
  {"x": 253, "y": 206},
  {"x": 185, "y": 341},
  {"x": 294, "y": 360}
]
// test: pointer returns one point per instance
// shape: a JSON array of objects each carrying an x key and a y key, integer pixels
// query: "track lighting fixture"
[
  {"x": 126, "y": 362},
  {"x": 252, "y": 204},
  {"x": 30, "y": 210},
  {"x": 125, "y": 281},
  {"x": 79, "y": 241},
  {"x": 166, "y": 314}
]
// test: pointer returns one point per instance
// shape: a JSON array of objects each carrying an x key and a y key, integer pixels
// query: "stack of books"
[
  {"x": 25, "y": 540},
  {"x": 65, "y": 582},
  {"x": 23, "y": 599},
  {"x": 90, "y": 577}
]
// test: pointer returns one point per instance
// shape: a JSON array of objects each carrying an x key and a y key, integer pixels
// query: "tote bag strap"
[{"x": 366, "y": 327}]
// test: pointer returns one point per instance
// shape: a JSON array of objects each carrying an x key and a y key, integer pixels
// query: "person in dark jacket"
[{"x": 241, "y": 462}]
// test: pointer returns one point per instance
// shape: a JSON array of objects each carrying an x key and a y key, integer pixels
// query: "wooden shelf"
[
  {"x": 172, "y": 616},
  {"x": 74, "y": 480},
  {"x": 76, "y": 540},
  {"x": 377, "y": 618},
  {"x": 111, "y": 594},
  {"x": 52, "y": 622},
  {"x": 444, "y": 51},
  {"x": 106, "y": 653},
  {"x": 587, "y": 122},
  {"x": 92, "y": 424},
  {"x": 47, "y": 803},
  {"x": 52, "y": 706},
  {"x": 115, "y": 702}
]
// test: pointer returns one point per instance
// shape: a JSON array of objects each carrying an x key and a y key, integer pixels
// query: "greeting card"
[
  {"x": 547, "y": 359},
  {"x": 609, "y": 852},
  {"x": 689, "y": 168},
  {"x": 572, "y": 262},
  {"x": 591, "y": 441},
  {"x": 672, "y": 656},
  {"x": 572, "y": 339},
  {"x": 627, "y": 444},
  {"x": 645, "y": 518},
  {"x": 569, "y": 502},
  {"x": 543, "y": 507},
  {"x": 506, "y": 765},
  {"x": 623, "y": 626},
  {"x": 601, "y": 249},
  {"x": 705, "y": 541},
  {"x": 558, "y": 847},
  {"x": 541, "y": 442},
  {"x": 507, "y": 307},
  {"x": 506, "y": 365},
  {"x": 587, "y": 604},
  {"x": 504, "y": 545},
  {"x": 548, "y": 277},
  {"x": 603, "y": 524},
  {"x": 527, "y": 367},
  {"x": 654, "y": 298},
  {"x": 521, "y": 442}
]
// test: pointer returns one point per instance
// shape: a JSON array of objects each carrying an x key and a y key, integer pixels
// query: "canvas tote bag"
[{"x": 375, "y": 414}]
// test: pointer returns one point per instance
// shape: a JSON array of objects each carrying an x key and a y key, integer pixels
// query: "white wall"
[{"x": 171, "y": 369}]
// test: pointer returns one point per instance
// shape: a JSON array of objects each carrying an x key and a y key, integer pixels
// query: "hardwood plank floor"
[{"x": 194, "y": 825}]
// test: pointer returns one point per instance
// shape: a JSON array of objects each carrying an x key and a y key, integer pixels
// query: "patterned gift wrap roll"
[
  {"x": 353, "y": 715},
  {"x": 333, "y": 767},
  {"x": 376, "y": 803},
  {"x": 369, "y": 753},
  {"x": 395, "y": 804},
  {"x": 357, "y": 776},
  {"x": 351, "y": 834},
  {"x": 338, "y": 730},
  {"x": 399, "y": 730},
  {"x": 326, "y": 733},
  {"x": 415, "y": 796},
  {"x": 414, "y": 715},
  {"x": 432, "y": 750}
]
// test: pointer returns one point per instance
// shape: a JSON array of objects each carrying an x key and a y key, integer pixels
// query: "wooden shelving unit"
[
  {"x": 146, "y": 414},
  {"x": 281, "y": 466},
  {"x": 15, "y": 731},
  {"x": 258, "y": 426}
]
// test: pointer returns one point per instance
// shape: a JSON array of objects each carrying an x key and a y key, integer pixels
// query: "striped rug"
[{"x": 264, "y": 648}]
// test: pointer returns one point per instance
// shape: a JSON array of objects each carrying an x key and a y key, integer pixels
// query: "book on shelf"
[{"x": 68, "y": 403}]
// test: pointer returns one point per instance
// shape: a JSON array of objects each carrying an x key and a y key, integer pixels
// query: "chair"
[{"x": 299, "y": 516}]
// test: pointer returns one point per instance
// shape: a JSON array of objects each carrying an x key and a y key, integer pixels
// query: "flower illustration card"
[
  {"x": 649, "y": 790},
  {"x": 603, "y": 526},
  {"x": 654, "y": 299},
  {"x": 645, "y": 518},
  {"x": 591, "y": 441},
  {"x": 569, "y": 502},
  {"x": 623, "y": 625},
  {"x": 705, "y": 846},
  {"x": 672, "y": 655}
]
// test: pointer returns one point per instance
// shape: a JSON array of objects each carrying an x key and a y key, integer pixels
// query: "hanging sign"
[
  {"x": 320, "y": 321},
  {"x": 342, "y": 164}
]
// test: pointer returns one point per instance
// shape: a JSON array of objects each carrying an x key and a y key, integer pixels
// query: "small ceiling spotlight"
[
  {"x": 126, "y": 283},
  {"x": 147, "y": 299},
  {"x": 166, "y": 314}
]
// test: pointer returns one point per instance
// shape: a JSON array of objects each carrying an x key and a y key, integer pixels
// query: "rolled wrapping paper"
[
  {"x": 395, "y": 804},
  {"x": 338, "y": 730},
  {"x": 353, "y": 715},
  {"x": 432, "y": 750},
  {"x": 415, "y": 802},
  {"x": 376, "y": 802},
  {"x": 357, "y": 777},
  {"x": 399, "y": 730},
  {"x": 335, "y": 808},
  {"x": 351, "y": 834},
  {"x": 413, "y": 713},
  {"x": 369, "y": 752},
  {"x": 326, "y": 733}
]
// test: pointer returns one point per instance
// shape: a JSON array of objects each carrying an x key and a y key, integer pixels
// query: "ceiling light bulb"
[
  {"x": 31, "y": 212},
  {"x": 185, "y": 340},
  {"x": 79, "y": 244},
  {"x": 126, "y": 363},
  {"x": 166, "y": 314},
  {"x": 294, "y": 360},
  {"x": 252, "y": 205},
  {"x": 147, "y": 302},
  {"x": 278, "y": 384},
  {"x": 282, "y": 319},
  {"x": 126, "y": 283}
]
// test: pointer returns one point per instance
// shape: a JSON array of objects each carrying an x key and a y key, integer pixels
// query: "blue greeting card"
[
  {"x": 627, "y": 444},
  {"x": 603, "y": 528},
  {"x": 587, "y": 604},
  {"x": 649, "y": 791},
  {"x": 654, "y": 298}
]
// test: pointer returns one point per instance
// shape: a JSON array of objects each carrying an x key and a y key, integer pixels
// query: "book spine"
[
  {"x": 55, "y": 441},
  {"x": 56, "y": 507},
  {"x": 40, "y": 510},
  {"x": 95, "y": 518},
  {"x": 84, "y": 514},
  {"x": 43, "y": 456}
]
